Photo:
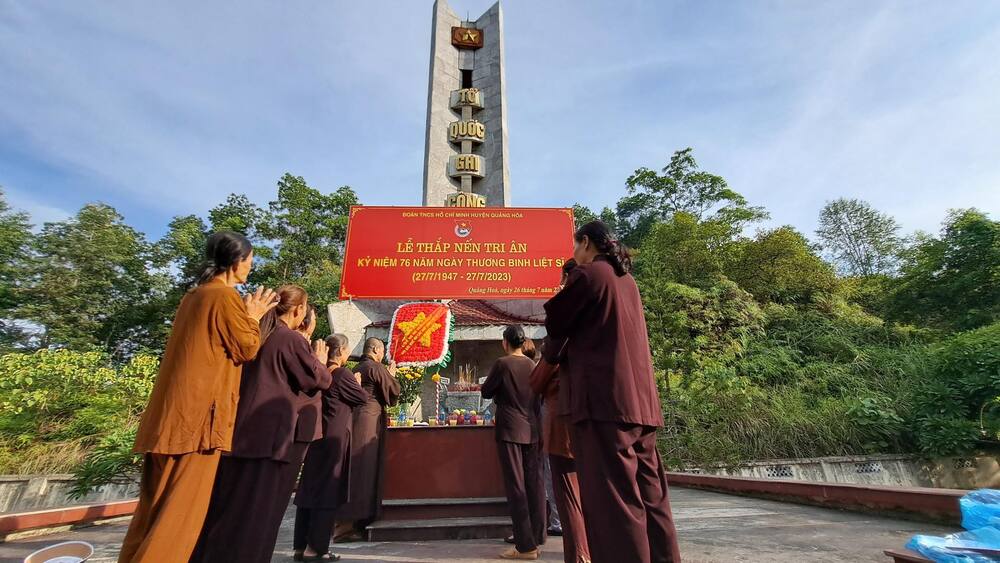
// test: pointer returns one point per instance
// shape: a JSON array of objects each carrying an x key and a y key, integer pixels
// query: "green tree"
[
  {"x": 237, "y": 214},
  {"x": 322, "y": 282},
  {"x": 307, "y": 227},
  {"x": 681, "y": 186},
  {"x": 307, "y": 230},
  {"x": 952, "y": 282},
  {"x": 15, "y": 239},
  {"x": 685, "y": 250},
  {"x": 583, "y": 215},
  {"x": 692, "y": 328},
  {"x": 181, "y": 253},
  {"x": 860, "y": 240},
  {"x": 182, "y": 248},
  {"x": 780, "y": 266},
  {"x": 93, "y": 283}
]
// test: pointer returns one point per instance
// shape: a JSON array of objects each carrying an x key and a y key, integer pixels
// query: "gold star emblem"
[
  {"x": 470, "y": 36},
  {"x": 419, "y": 330}
]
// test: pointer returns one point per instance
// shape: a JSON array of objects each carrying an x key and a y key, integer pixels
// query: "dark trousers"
[
  {"x": 522, "y": 479},
  {"x": 248, "y": 502},
  {"x": 313, "y": 527},
  {"x": 624, "y": 493},
  {"x": 566, "y": 491}
]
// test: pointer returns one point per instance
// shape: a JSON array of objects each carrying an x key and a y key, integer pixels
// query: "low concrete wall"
[
  {"x": 23, "y": 493},
  {"x": 883, "y": 470},
  {"x": 979, "y": 472},
  {"x": 918, "y": 503}
]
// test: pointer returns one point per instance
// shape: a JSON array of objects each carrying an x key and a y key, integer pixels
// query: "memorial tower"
[
  {"x": 465, "y": 151},
  {"x": 465, "y": 165}
]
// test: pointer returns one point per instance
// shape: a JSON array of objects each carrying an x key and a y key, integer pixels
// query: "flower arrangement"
[
  {"x": 410, "y": 380},
  {"x": 420, "y": 333}
]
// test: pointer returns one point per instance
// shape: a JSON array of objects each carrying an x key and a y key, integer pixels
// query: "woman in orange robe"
[{"x": 189, "y": 420}]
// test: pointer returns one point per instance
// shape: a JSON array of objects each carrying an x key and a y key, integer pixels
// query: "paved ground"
[{"x": 712, "y": 527}]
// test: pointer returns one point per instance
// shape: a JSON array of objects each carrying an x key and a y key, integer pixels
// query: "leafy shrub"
[
  {"x": 878, "y": 420},
  {"x": 55, "y": 405},
  {"x": 109, "y": 460},
  {"x": 954, "y": 401}
]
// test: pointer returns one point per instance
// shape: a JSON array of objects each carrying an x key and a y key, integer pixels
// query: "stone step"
[
  {"x": 427, "y": 508},
  {"x": 488, "y": 527}
]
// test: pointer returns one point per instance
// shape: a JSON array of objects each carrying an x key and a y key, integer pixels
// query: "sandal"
[{"x": 324, "y": 557}]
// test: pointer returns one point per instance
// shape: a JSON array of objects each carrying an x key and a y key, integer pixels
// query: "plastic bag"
[
  {"x": 979, "y": 544},
  {"x": 980, "y": 508}
]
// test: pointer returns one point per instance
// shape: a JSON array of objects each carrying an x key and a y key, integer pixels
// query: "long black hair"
[
  {"x": 514, "y": 336},
  {"x": 223, "y": 250},
  {"x": 600, "y": 236}
]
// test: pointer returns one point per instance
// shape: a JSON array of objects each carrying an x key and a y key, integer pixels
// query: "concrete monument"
[{"x": 465, "y": 155}]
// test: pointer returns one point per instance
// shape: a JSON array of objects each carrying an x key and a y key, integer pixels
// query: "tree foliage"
[
  {"x": 952, "y": 282},
  {"x": 764, "y": 351},
  {"x": 57, "y": 404},
  {"x": 305, "y": 228},
  {"x": 15, "y": 239},
  {"x": 92, "y": 282},
  {"x": 957, "y": 404},
  {"x": 681, "y": 186},
  {"x": 860, "y": 240},
  {"x": 780, "y": 266},
  {"x": 761, "y": 349}
]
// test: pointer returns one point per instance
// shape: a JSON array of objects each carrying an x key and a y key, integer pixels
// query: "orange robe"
[{"x": 189, "y": 422}]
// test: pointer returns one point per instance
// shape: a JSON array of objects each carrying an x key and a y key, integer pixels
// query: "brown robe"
[
  {"x": 325, "y": 481},
  {"x": 188, "y": 421},
  {"x": 258, "y": 475},
  {"x": 518, "y": 444},
  {"x": 366, "y": 443},
  {"x": 545, "y": 382},
  {"x": 615, "y": 408},
  {"x": 557, "y": 444}
]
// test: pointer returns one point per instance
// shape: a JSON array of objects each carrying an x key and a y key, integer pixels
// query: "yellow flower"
[{"x": 436, "y": 378}]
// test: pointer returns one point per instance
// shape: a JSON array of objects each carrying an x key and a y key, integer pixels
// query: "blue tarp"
[{"x": 981, "y": 540}]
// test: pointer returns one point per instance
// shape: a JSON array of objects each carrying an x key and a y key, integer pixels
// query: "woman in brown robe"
[
  {"x": 518, "y": 436},
  {"x": 270, "y": 441},
  {"x": 613, "y": 402},
  {"x": 558, "y": 446},
  {"x": 380, "y": 383},
  {"x": 325, "y": 481},
  {"x": 189, "y": 419}
]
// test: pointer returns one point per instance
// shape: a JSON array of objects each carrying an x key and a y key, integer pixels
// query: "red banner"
[{"x": 455, "y": 252}]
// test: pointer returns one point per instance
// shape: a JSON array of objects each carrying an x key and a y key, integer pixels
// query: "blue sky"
[{"x": 162, "y": 109}]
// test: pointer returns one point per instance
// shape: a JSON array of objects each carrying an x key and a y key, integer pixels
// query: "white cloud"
[
  {"x": 164, "y": 109},
  {"x": 40, "y": 212}
]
